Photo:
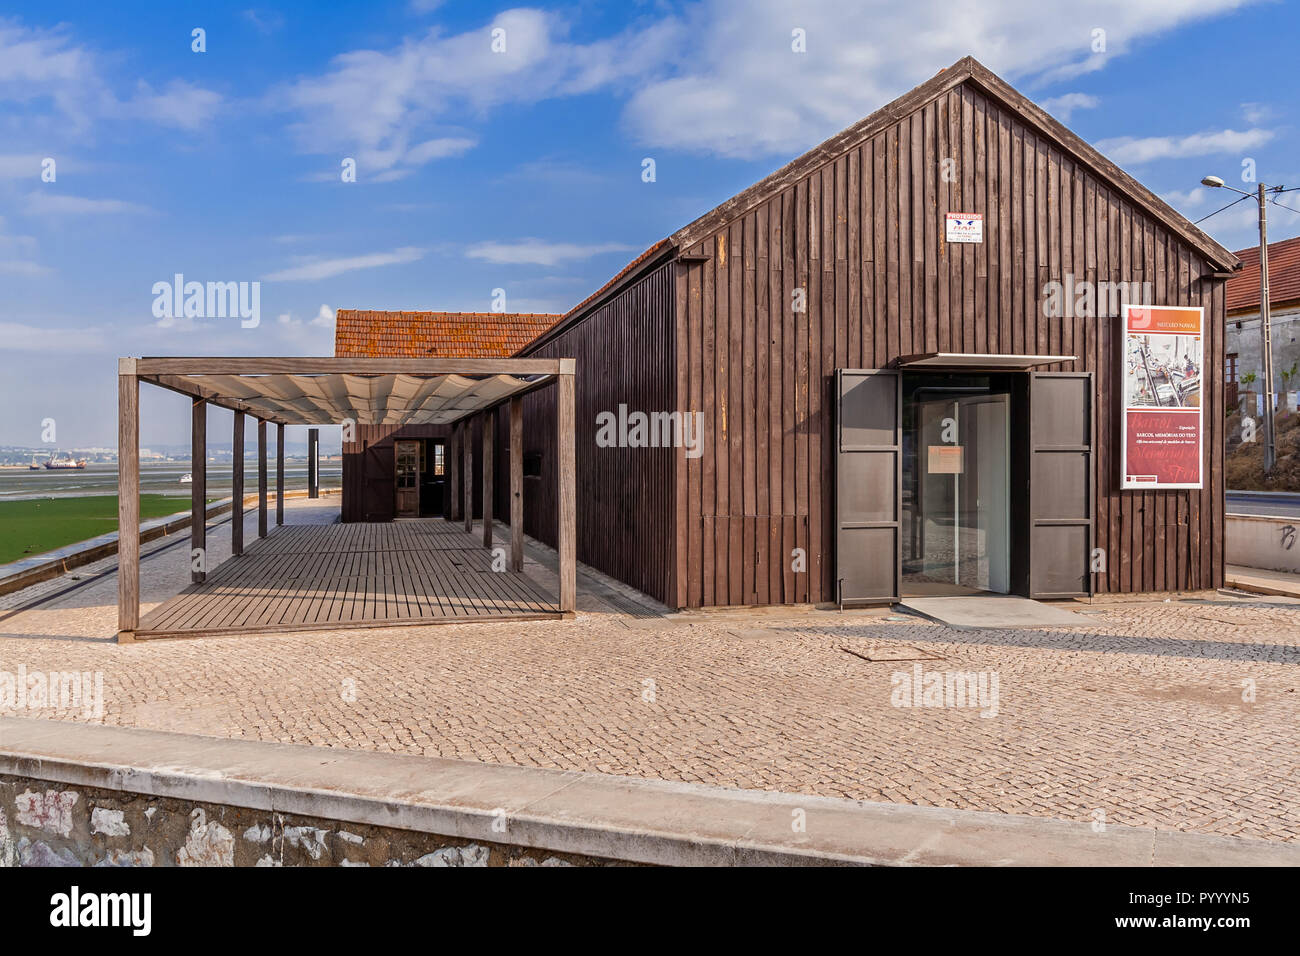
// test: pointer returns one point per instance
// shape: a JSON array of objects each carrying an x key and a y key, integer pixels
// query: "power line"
[
  {"x": 1217, "y": 211},
  {"x": 1283, "y": 205}
]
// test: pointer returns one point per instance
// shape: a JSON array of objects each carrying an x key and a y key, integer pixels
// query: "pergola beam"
[{"x": 202, "y": 365}]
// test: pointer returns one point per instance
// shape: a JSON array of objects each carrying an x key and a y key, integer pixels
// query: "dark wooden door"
[
  {"x": 869, "y": 455},
  {"x": 1060, "y": 484},
  {"x": 407, "y": 470},
  {"x": 377, "y": 487}
]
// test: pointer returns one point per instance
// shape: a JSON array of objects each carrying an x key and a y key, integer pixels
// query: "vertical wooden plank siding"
[
  {"x": 848, "y": 267},
  {"x": 625, "y": 355},
  {"x": 128, "y": 501},
  {"x": 237, "y": 487},
  {"x": 198, "y": 490}
]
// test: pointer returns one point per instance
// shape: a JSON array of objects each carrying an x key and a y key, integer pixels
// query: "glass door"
[
  {"x": 956, "y": 484},
  {"x": 408, "y": 479}
]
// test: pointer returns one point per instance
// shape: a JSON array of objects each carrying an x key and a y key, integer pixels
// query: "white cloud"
[
  {"x": 21, "y": 267},
  {"x": 38, "y": 64},
  {"x": 386, "y": 107},
  {"x": 43, "y": 203},
  {"x": 328, "y": 268},
  {"x": 19, "y": 337},
  {"x": 737, "y": 89},
  {"x": 181, "y": 105},
  {"x": 1129, "y": 149},
  {"x": 324, "y": 317},
  {"x": 1256, "y": 113},
  {"x": 1063, "y": 106},
  {"x": 539, "y": 252}
]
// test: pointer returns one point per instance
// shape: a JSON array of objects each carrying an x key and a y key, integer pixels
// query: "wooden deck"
[{"x": 314, "y": 577}]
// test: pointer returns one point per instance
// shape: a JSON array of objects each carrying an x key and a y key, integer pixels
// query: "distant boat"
[
  {"x": 187, "y": 479},
  {"x": 65, "y": 464},
  {"x": 34, "y": 466}
]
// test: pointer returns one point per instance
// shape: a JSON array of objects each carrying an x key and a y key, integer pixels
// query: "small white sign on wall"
[{"x": 964, "y": 226}]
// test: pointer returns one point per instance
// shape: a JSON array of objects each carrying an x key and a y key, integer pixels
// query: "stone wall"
[{"x": 49, "y": 824}]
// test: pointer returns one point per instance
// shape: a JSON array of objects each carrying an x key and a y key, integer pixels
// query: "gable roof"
[
  {"x": 967, "y": 69},
  {"x": 1283, "y": 277},
  {"x": 361, "y": 333}
]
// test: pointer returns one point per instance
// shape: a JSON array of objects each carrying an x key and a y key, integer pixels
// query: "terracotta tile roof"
[
  {"x": 631, "y": 266},
  {"x": 1283, "y": 277},
  {"x": 361, "y": 333}
]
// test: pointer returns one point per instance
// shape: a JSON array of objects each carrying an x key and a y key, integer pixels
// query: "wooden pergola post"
[
  {"x": 261, "y": 478},
  {"x": 467, "y": 475},
  {"x": 198, "y": 490},
  {"x": 489, "y": 429},
  {"x": 279, "y": 474},
  {"x": 452, "y": 458},
  {"x": 237, "y": 487},
  {"x": 313, "y": 463},
  {"x": 128, "y": 499},
  {"x": 566, "y": 488},
  {"x": 516, "y": 484}
]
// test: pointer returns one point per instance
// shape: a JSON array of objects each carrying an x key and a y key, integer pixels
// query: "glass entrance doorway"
[{"x": 956, "y": 475}]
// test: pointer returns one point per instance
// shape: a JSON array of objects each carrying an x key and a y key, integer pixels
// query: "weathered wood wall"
[
  {"x": 363, "y": 496},
  {"x": 624, "y": 353},
  {"x": 863, "y": 237}
]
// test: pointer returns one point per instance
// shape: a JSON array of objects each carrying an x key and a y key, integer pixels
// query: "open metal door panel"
[
  {"x": 1061, "y": 484},
  {"x": 868, "y": 475}
]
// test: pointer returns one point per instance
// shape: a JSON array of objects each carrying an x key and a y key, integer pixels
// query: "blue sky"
[{"x": 518, "y": 169}]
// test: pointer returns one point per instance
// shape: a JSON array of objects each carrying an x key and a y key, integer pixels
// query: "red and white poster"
[{"x": 1163, "y": 360}]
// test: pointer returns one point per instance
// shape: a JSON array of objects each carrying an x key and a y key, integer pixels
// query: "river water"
[{"x": 159, "y": 478}]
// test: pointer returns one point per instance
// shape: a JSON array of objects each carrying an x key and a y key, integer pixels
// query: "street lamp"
[{"x": 1261, "y": 195}]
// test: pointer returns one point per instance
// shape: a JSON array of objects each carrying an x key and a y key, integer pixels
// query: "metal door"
[
  {"x": 869, "y": 453},
  {"x": 1060, "y": 484}
]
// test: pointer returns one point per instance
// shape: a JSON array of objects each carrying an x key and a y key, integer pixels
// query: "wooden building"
[
  {"x": 825, "y": 326},
  {"x": 392, "y": 471}
]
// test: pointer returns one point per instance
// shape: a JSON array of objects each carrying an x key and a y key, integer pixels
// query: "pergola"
[{"x": 361, "y": 391}]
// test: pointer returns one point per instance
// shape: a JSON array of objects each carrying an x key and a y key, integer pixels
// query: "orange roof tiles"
[
  {"x": 361, "y": 333},
  {"x": 1283, "y": 277}
]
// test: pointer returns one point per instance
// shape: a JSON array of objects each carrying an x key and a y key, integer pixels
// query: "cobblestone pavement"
[{"x": 1173, "y": 715}]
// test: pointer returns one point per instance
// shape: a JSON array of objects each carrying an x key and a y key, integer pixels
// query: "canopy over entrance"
[
  {"x": 342, "y": 391},
  {"x": 978, "y": 360}
]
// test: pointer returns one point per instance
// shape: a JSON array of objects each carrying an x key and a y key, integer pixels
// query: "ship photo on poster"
[{"x": 1163, "y": 358}]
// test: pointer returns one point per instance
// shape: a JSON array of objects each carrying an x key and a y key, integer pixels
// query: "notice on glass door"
[{"x": 1161, "y": 445}]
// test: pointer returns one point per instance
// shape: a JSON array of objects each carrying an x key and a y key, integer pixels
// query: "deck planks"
[{"x": 351, "y": 575}]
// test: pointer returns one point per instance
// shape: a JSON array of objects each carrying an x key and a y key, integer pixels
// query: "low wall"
[
  {"x": 73, "y": 794},
  {"x": 51, "y": 824},
  {"x": 1267, "y": 542}
]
